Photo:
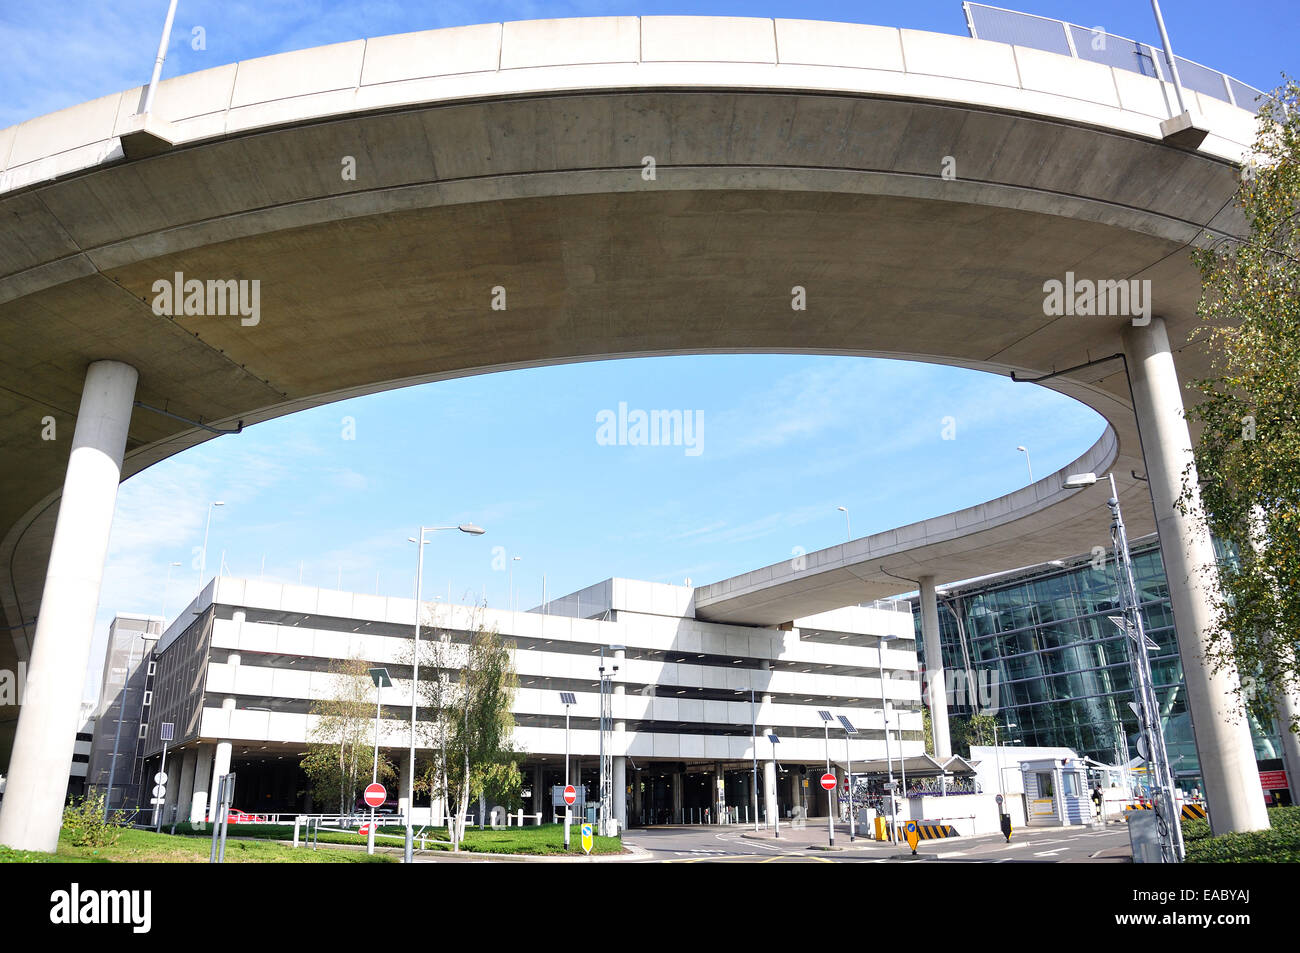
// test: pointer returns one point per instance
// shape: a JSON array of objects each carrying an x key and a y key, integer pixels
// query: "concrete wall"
[{"x": 546, "y": 55}]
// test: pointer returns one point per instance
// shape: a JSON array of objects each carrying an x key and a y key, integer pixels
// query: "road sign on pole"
[
  {"x": 828, "y": 781},
  {"x": 570, "y": 794},
  {"x": 586, "y": 838},
  {"x": 375, "y": 795}
]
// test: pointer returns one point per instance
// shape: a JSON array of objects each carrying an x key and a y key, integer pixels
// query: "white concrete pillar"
[
  {"x": 719, "y": 793},
  {"x": 32, "y": 811},
  {"x": 1288, "y": 708},
  {"x": 220, "y": 768},
  {"x": 1223, "y": 745},
  {"x": 638, "y": 803},
  {"x": 404, "y": 784},
  {"x": 770, "y": 804},
  {"x": 620, "y": 791},
  {"x": 202, "y": 777},
  {"x": 934, "y": 669},
  {"x": 677, "y": 816}
]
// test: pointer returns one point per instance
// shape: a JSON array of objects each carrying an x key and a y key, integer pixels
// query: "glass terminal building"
[{"x": 1037, "y": 645}]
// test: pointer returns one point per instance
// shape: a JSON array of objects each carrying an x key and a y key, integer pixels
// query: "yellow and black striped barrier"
[
  {"x": 927, "y": 831},
  {"x": 1190, "y": 811}
]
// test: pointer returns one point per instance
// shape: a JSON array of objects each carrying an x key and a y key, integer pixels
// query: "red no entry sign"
[
  {"x": 375, "y": 795},
  {"x": 828, "y": 781},
  {"x": 570, "y": 794}
]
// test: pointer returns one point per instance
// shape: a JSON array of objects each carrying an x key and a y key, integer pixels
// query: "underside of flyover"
[{"x": 388, "y": 279}]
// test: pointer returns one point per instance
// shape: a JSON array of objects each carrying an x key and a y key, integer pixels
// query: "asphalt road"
[{"x": 710, "y": 845}]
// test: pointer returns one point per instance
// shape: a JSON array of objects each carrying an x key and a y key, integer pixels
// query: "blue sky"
[{"x": 785, "y": 439}]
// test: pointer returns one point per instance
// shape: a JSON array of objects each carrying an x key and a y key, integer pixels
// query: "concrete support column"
[
  {"x": 770, "y": 805},
  {"x": 677, "y": 798},
  {"x": 185, "y": 789},
  {"x": 1223, "y": 743},
  {"x": 404, "y": 803},
  {"x": 619, "y": 791},
  {"x": 719, "y": 793},
  {"x": 934, "y": 669},
  {"x": 202, "y": 778},
  {"x": 46, "y": 737},
  {"x": 638, "y": 799},
  {"x": 175, "y": 765},
  {"x": 220, "y": 768}
]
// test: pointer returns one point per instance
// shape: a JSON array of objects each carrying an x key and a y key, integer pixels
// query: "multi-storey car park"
[{"x": 239, "y": 670}]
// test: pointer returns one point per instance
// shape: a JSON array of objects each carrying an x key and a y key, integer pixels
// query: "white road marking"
[{"x": 1049, "y": 853}]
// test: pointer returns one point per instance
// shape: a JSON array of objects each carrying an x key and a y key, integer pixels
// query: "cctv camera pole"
[{"x": 1146, "y": 707}]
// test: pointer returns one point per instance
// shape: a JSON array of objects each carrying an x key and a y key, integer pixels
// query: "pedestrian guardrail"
[{"x": 1096, "y": 45}]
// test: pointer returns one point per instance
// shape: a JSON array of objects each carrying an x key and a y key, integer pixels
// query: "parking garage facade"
[{"x": 241, "y": 673}]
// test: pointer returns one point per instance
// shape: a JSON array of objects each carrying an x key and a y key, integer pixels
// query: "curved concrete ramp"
[{"x": 381, "y": 191}]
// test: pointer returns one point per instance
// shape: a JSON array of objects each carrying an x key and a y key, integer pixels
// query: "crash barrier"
[
  {"x": 1190, "y": 811},
  {"x": 926, "y": 830}
]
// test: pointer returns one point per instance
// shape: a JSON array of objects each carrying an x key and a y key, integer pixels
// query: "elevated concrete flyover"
[{"x": 633, "y": 186}]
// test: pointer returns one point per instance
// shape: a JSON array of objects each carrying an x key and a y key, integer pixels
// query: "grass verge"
[
  {"x": 146, "y": 847},
  {"x": 544, "y": 841}
]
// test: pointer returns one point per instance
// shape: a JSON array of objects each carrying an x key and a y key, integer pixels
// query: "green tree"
[
  {"x": 479, "y": 726},
  {"x": 976, "y": 729},
  {"x": 467, "y": 690},
  {"x": 1247, "y": 457},
  {"x": 928, "y": 728},
  {"x": 340, "y": 752}
]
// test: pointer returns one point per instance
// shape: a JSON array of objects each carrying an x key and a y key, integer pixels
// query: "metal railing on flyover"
[{"x": 1096, "y": 45}]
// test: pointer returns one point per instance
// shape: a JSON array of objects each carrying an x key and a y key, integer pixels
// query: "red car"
[{"x": 239, "y": 817}]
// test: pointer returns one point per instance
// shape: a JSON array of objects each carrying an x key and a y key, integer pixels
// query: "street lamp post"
[
  {"x": 753, "y": 742},
  {"x": 380, "y": 677},
  {"x": 1028, "y": 463},
  {"x": 513, "y": 560},
  {"x": 848, "y": 525},
  {"x": 889, "y": 762},
  {"x": 166, "y": 589},
  {"x": 776, "y": 799},
  {"x": 472, "y": 530},
  {"x": 203, "y": 556},
  {"x": 997, "y": 757}
]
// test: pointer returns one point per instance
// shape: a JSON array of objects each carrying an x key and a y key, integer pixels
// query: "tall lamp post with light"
[
  {"x": 203, "y": 555},
  {"x": 848, "y": 524},
  {"x": 889, "y": 761},
  {"x": 1028, "y": 462},
  {"x": 472, "y": 530},
  {"x": 1152, "y": 741}
]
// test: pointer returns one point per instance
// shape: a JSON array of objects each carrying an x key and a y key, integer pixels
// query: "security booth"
[{"x": 1056, "y": 791}]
